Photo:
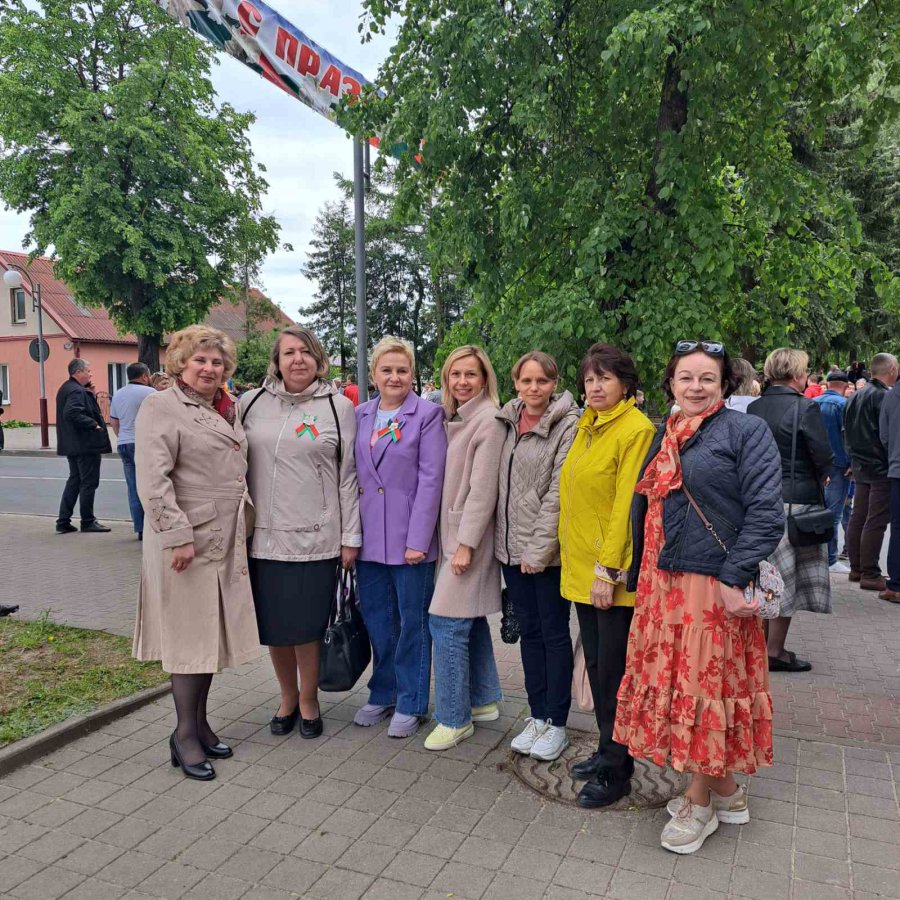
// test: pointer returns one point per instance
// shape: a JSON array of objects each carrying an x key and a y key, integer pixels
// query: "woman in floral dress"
[{"x": 696, "y": 689}]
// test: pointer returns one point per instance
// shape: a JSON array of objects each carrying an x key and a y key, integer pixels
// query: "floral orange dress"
[{"x": 696, "y": 689}]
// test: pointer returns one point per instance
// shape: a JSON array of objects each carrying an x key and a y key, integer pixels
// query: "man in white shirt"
[{"x": 122, "y": 412}]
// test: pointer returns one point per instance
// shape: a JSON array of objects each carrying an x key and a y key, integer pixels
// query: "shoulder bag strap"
[
  {"x": 794, "y": 430},
  {"x": 340, "y": 448},
  {"x": 250, "y": 404},
  {"x": 707, "y": 524}
]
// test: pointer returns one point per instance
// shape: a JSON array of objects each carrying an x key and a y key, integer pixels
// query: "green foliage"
[
  {"x": 253, "y": 356},
  {"x": 111, "y": 137},
  {"x": 407, "y": 294},
  {"x": 632, "y": 171},
  {"x": 16, "y": 423}
]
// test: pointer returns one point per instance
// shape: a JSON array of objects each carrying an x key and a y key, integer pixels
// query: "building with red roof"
[{"x": 73, "y": 330}]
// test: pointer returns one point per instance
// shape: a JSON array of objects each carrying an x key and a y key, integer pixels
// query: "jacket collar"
[
  {"x": 782, "y": 390},
  {"x": 591, "y": 420},
  {"x": 318, "y": 388},
  {"x": 206, "y": 415},
  {"x": 472, "y": 407},
  {"x": 560, "y": 406},
  {"x": 878, "y": 384}
]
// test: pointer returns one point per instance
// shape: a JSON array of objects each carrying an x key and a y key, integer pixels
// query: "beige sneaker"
[
  {"x": 490, "y": 712},
  {"x": 687, "y": 830},
  {"x": 730, "y": 810},
  {"x": 443, "y": 737}
]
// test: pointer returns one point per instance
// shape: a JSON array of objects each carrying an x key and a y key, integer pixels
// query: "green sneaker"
[{"x": 443, "y": 737}]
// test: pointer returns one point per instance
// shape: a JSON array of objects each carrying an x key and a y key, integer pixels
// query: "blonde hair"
[
  {"x": 490, "y": 377},
  {"x": 185, "y": 343},
  {"x": 786, "y": 364},
  {"x": 312, "y": 342},
  {"x": 746, "y": 376},
  {"x": 391, "y": 344},
  {"x": 544, "y": 360}
]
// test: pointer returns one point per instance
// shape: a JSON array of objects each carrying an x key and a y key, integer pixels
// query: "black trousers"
[
  {"x": 604, "y": 638},
  {"x": 84, "y": 477}
]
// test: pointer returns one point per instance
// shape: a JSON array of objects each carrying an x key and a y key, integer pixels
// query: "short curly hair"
[
  {"x": 185, "y": 343},
  {"x": 606, "y": 358},
  {"x": 391, "y": 344}
]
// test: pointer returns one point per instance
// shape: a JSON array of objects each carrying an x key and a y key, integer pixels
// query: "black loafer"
[
  {"x": 603, "y": 793},
  {"x": 311, "y": 728},
  {"x": 95, "y": 528},
  {"x": 791, "y": 664},
  {"x": 65, "y": 529},
  {"x": 588, "y": 768},
  {"x": 280, "y": 725},
  {"x": 217, "y": 751}
]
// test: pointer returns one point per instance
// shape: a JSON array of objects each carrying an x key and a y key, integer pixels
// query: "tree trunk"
[
  {"x": 148, "y": 350},
  {"x": 673, "y": 109}
]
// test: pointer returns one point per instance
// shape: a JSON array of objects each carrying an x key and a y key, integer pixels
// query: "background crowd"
[{"x": 659, "y": 536}]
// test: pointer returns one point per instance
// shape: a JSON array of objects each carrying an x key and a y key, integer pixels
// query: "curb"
[{"x": 31, "y": 748}]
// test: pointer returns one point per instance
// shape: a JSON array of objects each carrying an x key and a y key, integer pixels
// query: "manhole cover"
[{"x": 651, "y": 786}]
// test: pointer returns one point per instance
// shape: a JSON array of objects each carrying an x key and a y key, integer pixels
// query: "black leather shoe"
[
  {"x": 217, "y": 751},
  {"x": 201, "y": 771},
  {"x": 588, "y": 768},
  {"x": 311, "y": 728},
  {"x": 95, "y": 528},
  {"x": 65, "y": 529},
  {"x": 284, "y": 724},
  {"x": 603, "y": 792}
]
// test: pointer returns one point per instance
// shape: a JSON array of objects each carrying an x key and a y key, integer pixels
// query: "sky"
[{"x": 300, "y": 159}]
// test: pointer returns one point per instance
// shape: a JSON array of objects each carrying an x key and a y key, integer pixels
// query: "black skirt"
[{"x": 292, "y": 599}]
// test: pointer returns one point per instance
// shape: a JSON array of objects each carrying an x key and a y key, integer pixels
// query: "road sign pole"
[
  {"x": 45, "y": 426},
  {"x": 359, "y": 205}
]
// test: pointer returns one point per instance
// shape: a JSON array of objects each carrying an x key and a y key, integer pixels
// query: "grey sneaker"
[
  {"x": 689, "y": 828},
  {"x": 730, "y": 810}
]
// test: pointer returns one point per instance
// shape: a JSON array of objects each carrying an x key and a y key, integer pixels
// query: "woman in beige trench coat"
[{"x": 195, "y": 610}]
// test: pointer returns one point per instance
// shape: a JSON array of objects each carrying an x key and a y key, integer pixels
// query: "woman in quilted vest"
[
  {"x": 596, "y": 489},
  {"x": 540, "y": 426}
]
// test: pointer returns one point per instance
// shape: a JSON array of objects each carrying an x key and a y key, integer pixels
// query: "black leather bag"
[
  {"x": 814, "y": 526},
  {"x": 346, "y": 651},
  {"x": 509, "y": 622}
]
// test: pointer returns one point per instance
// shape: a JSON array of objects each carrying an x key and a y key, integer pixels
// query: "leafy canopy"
[
  {"x": 111, "y": 137},
  {"x": 631, "y": 171}
]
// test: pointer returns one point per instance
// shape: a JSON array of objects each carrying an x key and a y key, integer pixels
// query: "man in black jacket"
[
  {"x": 81, "y": 437},
  {"x": 868, "y": 459}
]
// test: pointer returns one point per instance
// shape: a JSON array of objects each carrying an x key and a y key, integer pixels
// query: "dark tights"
[{"x": 192, "y": 729}]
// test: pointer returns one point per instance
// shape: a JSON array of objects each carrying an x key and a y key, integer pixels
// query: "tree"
[
  {"x": 111, "y": 137},
  {"x": 631, "y": 170}
]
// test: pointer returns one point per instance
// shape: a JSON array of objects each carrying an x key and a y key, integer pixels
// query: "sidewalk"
[
  {"x": 357, "y": 814},
  {"x": 27, "y": 441}
]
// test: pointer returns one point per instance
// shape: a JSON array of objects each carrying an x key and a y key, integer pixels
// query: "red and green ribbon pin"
[
  {"x": 307, "y": 427},
  {"x": 392, "y": 430}
]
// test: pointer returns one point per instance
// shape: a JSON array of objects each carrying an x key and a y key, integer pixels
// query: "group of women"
[{"x": 653, "y": 534}]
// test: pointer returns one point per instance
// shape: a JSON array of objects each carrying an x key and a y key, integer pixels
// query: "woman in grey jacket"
[{"x": 540, "y": 426}]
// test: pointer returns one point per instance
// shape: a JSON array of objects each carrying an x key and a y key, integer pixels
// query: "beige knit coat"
[
  {"x": 530, "y": 465},
  {"x": 468, "y": 507}
]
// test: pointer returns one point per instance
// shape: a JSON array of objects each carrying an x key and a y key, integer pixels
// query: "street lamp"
[{"x": 12, "y": 278}]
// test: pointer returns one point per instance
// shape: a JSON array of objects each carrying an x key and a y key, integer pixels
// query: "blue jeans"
[
  {"x": 126, "y": 452},
  {"x": 546, "y": 643},
  {"x": 465, "y": 673},
  {"x": 835, "y": 498},
  {"x": 394, "y": 602}
]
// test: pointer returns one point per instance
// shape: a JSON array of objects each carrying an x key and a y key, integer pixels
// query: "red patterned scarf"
[
  {"x": 663, "y": 474},
  {"x": 221, "y": 403}
]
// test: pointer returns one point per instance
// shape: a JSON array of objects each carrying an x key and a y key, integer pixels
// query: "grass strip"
[{"x": 49, "y": 672}]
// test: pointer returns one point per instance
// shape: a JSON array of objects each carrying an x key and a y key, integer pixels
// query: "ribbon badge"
[
  {"x": 392, "y": 430},
  {"x": 307, "y": 426}
]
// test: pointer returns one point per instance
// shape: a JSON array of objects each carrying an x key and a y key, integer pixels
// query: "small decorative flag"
[
  {"x": 307, "y": 426},
  {"x": 392, "y": 430}
]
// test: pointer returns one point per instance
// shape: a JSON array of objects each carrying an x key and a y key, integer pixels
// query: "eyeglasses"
[{"x": 713, "y": 348}]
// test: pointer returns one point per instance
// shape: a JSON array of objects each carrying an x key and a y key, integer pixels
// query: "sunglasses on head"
[{"x": 713, "y": 348}]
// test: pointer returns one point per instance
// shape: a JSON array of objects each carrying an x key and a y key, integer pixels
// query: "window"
[
  {"x": 17, "y": 298},
  {"x": 117, "y": 376},
  {"x": 4, "y": 383}
]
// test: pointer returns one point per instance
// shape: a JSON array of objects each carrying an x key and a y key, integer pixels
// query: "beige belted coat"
[{"x": 192, "y": 481}]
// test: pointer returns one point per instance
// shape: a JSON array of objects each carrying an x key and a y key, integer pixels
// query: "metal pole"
[
  {"x": 45, "y": 428},
  {"x": 359, "y": 208}
]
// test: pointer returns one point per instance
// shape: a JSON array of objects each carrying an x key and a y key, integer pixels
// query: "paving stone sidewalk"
[{"x": 356, "y": 814}]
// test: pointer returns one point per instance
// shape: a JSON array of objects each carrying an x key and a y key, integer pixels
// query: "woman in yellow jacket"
[{"x": 596, "y": 488}]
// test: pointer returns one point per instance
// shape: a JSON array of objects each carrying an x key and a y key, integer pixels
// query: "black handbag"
[
  {"x": 815, "y": 526},
  {"x": 346, "y": 651},
  {"x": 509, "y": 622}
]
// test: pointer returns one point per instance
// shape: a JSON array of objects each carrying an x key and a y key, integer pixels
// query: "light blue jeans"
[
  {"x": 465, "y": 673},
  {"x": 835, "y": 498}
]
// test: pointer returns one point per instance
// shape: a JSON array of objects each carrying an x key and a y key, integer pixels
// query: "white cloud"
[{"x": 299, "y": 148}]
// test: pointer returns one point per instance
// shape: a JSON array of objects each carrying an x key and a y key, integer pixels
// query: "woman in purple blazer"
[{"x": 401, "y": 447}]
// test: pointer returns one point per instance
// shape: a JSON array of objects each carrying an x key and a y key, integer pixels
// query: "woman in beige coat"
[
  {"x": 540, "y": 426},
  {"x": 301, "y": 434},
  {"x": 466, "y": 684},
  {"x": 195, "y": 611}
]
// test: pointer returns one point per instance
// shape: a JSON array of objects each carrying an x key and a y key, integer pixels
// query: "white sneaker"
[
  {"x": 689, "y": 828},
  {"x": 550, "y": 743},
  {"x": 525, "y": 741},
  {"x": 731, "y": 809},
  {"x": 839, "y": 568}
]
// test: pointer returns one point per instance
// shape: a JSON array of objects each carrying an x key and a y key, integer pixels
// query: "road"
[{"x": 33, "y": 485}]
